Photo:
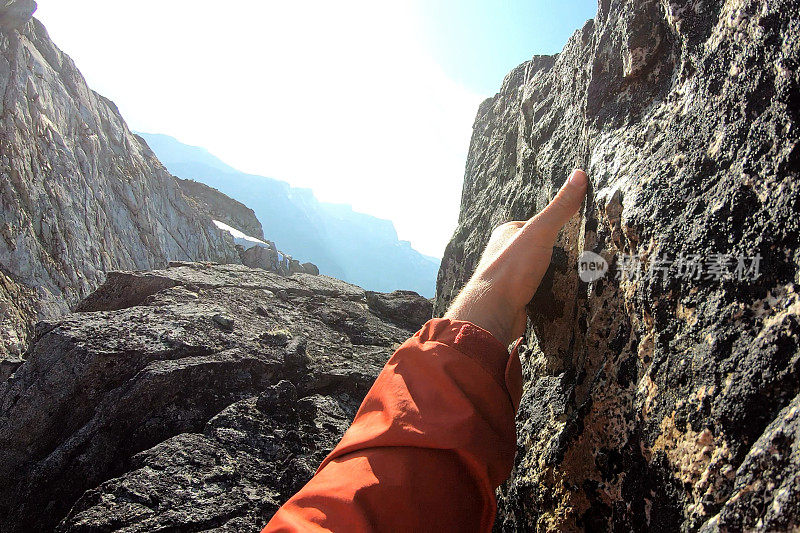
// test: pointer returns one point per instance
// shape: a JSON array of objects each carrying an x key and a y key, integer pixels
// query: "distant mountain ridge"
[{"x": 355, "y": 247}]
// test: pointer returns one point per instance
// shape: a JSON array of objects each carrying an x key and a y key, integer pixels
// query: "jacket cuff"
[{"x": 483, "y": 348}]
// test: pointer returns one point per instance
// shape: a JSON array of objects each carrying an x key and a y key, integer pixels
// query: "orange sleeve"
[{"x": 429, "y": 445}]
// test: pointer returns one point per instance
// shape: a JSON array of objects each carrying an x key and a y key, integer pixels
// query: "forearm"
[
  {"x": 435, "y": 435},
  {"x": 432, "y": 440}
]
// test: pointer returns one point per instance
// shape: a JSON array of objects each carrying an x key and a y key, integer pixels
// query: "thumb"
[{"x": 559, "y": 211}]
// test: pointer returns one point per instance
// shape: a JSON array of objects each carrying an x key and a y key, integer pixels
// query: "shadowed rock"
[
  {"x": 406, "y": 308},
  {"x": 650, "y": 400},
  {"x": 187, "y": 398}
]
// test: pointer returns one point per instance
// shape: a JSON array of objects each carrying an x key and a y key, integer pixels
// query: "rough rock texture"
[
  {"x": 80, "y": 194},
  {"x": 231, "y": 476},
  {"x": 270, "y": 258},
  {"x": 185, "y": 399},
  {"x": 403, "y": 307},
  {"x": 264, "y": 257},
  {"x": 16, "y": 323},
  {"x": 653, "y": 401},
  {"x": 15, "y": 13},
  {"x": 214, "y": 204},
  {"x": 310, "y": 268}
]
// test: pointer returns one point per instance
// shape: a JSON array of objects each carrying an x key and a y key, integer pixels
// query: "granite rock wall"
[{"x": 664, "y": 395}]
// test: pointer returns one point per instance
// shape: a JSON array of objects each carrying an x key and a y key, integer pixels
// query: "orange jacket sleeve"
[{"x": 431, "y": 442}]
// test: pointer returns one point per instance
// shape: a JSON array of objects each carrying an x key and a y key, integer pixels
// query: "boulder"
[
  {"x": 260, "y": 257},
  {"x": 310, "y": 268},
  {"x": 295, "y": 267},
  {"x": 401, "y": 307},
  {"x": 16, "y": 13},
  {"x": 186, "y": 398}
]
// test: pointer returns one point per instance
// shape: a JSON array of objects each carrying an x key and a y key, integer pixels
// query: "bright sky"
[{"x": 367, "y": 102}]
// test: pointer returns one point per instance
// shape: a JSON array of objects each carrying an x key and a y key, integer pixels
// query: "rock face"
[
  {"x": 663, "y": 396},
  {"x": 80, "y": 194},
  {"x": 191, "y": 398},
  {"x": 217, "y": 206},
  {"x": 17, "y": 316}
]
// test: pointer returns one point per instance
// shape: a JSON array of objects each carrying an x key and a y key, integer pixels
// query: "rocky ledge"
[
  {"x": 217, "y": 206},
  {"x": 198, "y": 397}
]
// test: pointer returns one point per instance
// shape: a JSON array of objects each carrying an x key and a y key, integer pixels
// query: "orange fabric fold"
[{"x": 429, "y": 445}]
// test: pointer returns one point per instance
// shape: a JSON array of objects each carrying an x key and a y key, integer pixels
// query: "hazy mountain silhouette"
[{"x": 352, "y": 246}]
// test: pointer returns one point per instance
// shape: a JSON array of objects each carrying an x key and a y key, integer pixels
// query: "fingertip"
[
  {"x": 578, "y": 178},
  {"x": 561, "y": 209}
]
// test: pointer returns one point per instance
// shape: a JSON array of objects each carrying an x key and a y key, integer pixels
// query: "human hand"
[{"x": 513, "y": 264}]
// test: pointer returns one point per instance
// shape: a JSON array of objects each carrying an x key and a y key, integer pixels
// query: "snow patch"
[{"x": 240, "y": 237}]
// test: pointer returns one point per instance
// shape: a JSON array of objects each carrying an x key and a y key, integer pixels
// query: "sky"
[{"x": 366, "y": 102}]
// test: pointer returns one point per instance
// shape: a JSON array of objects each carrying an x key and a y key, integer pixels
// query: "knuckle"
[
  {"x": 500, "y": 228},
  {"x": 508, "y": 226}
]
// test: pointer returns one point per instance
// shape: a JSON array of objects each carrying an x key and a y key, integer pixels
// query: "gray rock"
[
  {"x": 649, "y": 401},
  {"x": 327, "y": 285},
  {"x": 261, "y": 257},
  {"x": 217, "y": 206},
  {"x": 17, "y": 315},
  {"x": 270, "y": 258},
  {"x": 402, "y": 307},
  {"x": 15, "y": 13},
  {"x": 225, "y": 322},
  {"x": 310, "y": 268},
  {"x": 81, "y": 194},
  {"x": 294, "y": 267},
  {"x": 278, "y": 337},
  {"x": 230, "y": 477},
  {"x": 141, "y": 413}
]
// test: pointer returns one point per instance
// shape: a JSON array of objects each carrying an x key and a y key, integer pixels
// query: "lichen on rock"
[{"x": 650, "y": 391}]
